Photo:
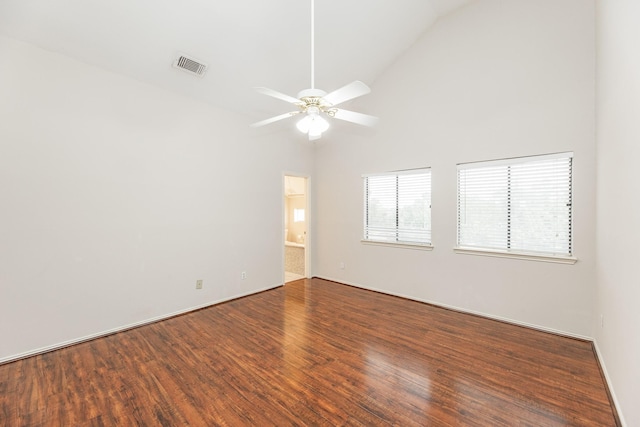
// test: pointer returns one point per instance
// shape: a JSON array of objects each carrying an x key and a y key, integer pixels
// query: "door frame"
[{"x": 308, "y": 219}]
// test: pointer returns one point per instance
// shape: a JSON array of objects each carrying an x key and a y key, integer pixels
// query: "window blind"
[
  {"x": 398, "y": 207},
  {"x": 519, "y": 205}
]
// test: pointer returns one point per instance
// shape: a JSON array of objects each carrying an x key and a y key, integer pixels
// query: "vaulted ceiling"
[{"x": 245, "y": 43}]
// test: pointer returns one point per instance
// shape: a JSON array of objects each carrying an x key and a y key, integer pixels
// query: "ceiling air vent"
[{"x": 190, "y": 65}]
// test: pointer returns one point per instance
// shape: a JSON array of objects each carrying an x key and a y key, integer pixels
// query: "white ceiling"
[{"x": 246, "y": 43}]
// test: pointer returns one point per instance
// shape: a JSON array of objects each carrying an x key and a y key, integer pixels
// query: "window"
[
  {"x": 519, "y": 205},
  {"x": 398, "y": 207},
  {"x": 298, "y": 215}
]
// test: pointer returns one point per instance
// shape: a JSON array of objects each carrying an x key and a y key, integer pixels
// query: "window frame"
[
  {"x": 561, "y": 258},
  {"x": 397, "y": 243}
]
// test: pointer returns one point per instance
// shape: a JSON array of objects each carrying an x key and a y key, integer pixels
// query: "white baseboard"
[
  {"x": 90, "y": 337},
  {"x": 64, "y": 344},
  {"x": 464, "y": 310},
  {"x": 609, "y": 384},
  {"x": 598, "y": 355}
]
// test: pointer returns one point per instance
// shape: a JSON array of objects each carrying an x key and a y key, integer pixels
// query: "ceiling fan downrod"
[
  {"x": 313, "y": 45},
  {"x": 314, "y": 103}
]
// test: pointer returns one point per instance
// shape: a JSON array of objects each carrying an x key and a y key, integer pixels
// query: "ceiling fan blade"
[
  {"x": 279, "y": 95},
  {"x": 345, "y": 93},
  {"x": 353, "y": 117},
  {"x": 274, "y": 119}
]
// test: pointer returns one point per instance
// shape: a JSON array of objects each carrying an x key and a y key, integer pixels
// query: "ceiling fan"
[{"x": 315, "y": 103}]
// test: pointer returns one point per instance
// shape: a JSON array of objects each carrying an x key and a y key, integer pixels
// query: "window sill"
[
  {"x": 415, "y": 246},
  {"x": 517, "y": 255}
]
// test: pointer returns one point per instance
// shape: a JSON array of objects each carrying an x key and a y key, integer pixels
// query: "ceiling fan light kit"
[
  {"x": 315, "y": 103},
  {"x": 313, "y": 125}
]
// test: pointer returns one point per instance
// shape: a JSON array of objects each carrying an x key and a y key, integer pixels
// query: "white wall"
[
  {"x": 618, "y": 206},
  {"x": 117, "y": 196},
  {"x": 496, "y": 79}
]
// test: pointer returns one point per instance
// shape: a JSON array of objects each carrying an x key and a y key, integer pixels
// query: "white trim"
[
  {"x": 609, "y": 384},
  {"x": 91, "y": 337},
  {"x": 489, "y": 185},
  {"x": 514, "y": 160},
  {"x": 308, "y": 238},
  {"x": 416, "y": 246},
  {"x": 123, "y": 328},
  {"x": 466, "y": 311},
  {"x": 426, "y": 172},
  {"x": 558, "y": 259},
  {"x": 597, "y": 352},
  {"x": 415, "y": 171}
]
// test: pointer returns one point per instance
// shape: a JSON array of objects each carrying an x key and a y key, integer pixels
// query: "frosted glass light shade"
[{"x": 312, "y": 124}]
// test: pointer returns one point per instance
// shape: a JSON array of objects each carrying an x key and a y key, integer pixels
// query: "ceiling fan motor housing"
[
  {"x": 311, "y": 93},
  {"x": 314, "y": 103}
]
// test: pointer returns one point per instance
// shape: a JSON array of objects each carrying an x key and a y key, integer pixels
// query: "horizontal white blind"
[
  {"x": 398, "y": 207},
  {"x": 522, "y": 205}
]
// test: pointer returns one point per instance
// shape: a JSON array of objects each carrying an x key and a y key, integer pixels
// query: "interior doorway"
[{"x": 296, "y": 220}]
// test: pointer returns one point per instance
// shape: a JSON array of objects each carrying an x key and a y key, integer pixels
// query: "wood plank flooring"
[{"x": 312, "y": 352}]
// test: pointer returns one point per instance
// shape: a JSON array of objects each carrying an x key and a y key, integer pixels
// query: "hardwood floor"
[{"x": 312, "y": 353}]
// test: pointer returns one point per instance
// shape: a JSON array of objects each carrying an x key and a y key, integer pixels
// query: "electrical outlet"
[
  {"x": 341, "y": 265},
  {"x": 243, "y": 275},
  {"x": 198, "y": 284}
]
